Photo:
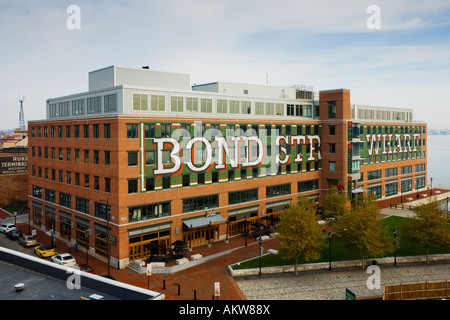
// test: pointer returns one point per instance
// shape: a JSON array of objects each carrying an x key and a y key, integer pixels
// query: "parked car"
[
  {"x": 64, "y": 259},
  {"x": 86, "y": 268},
  {"x": 7, "y": 227},
  {"x": 28, "y": 241},
  {"x": 14, "y": 234},
  {"x": 44, "y": 251}
]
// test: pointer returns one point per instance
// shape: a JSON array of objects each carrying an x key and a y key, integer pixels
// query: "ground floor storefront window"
[{"x": 147, "y": 241}]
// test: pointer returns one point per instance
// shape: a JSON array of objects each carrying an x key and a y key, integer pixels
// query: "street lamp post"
[
  {"x": 260, "y": 254},
  {"x": 330, "y": 235},
  {"x": 447, "y": 210},
  {"x": 401, "y": 191},
  {"x": 395, "y": 245},
  {"x": 431, "y": 190}
]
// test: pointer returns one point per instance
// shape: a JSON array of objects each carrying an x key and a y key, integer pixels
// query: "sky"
[{"x": 397, "y": 55}]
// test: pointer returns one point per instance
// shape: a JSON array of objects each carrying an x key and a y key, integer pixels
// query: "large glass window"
[
  {"x": 149, "y": 211},
  {"x": 376, "y": 174},
  {"x": 391, "y": 187},
  {"x": 308, "y": 185},
  {"x": 278, "y": 190},
  {"x": 94, "y": 105},
  {"x": 242, "y": 196},
  {"x": 200, "y": 203}
]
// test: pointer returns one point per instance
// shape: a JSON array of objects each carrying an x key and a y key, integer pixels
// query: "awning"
[{"x": 203, "y": 221}]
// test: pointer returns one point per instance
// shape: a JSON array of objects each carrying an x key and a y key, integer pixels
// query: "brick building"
[{"x": 170, "y": 161}]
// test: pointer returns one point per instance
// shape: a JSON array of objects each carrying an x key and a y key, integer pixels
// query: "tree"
[
  {"x": 428, "y": 227},
  {"x": 361, "y": 229},
  {"x": 336, "y": 204},
  {"x": 299, "y": 233}
]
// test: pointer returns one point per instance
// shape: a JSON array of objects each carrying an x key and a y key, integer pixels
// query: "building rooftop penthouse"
[{"x": 143, "y": 92}]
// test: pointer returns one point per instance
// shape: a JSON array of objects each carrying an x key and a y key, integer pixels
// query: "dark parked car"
[{"x": 14, "y": 234}]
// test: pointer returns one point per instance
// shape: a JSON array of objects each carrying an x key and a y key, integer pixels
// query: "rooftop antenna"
[{"x": 21, "y": 114}]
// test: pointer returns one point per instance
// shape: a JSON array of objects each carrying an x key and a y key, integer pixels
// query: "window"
[
  {"x": 132, "y": 158},
  {"x": 60, "y": 131},
  {"x": 308, "y": 185},
  {"x": 332, "y": 166},
  {"x": 76, "y": 131},
  {"x": 65, "y": 200},
  {"x": 392, "y": 172},
  {"x": 107, "y": 158},
  {"x": 246, "y": 107},
  {"x": 149, "y": 157},
  {"x": 68, "y": 129},
  {"x": 242, "y": 196},
  {"x": 37, "y": 192},
  {"x": 86, "y": 131},
  {"x": 77, "y": 179},
  {"x": 64, "y": 109},
  {"x": 96, "y": 183},
  {"x": 132, "y": 131},
  {"x": 110, "y": 102},
  {"x": 93, "y": 105},
  {"x": 96, "y": 156},
  {"x": 222, "y": 106},
  {"x": 186, "y": 181},
  {"x": 95, "y": 131},
  {"x": 86, "y": 181},
  {"x": 332, "y": 147},
  {"x": 192, "y": 104},
  {"x": 407, "y": 169},
  {"x": 200, "y": 203},
  {"x": 107, "y": 130},
  {"x": 77, "y": 155},
  {"x": 107, "y": 185},
  {"x": 376, "y": 174},
  {"x": 375, "y": 188},
  {"x": 278, "y": 190},
  {"x": 176, "y": 104},
  {"x": 332, "y": 109},
  {"x": 332, "y": 130},
  {"x": 82, "y": 205},
  {"x": 279, "y": 109},
  {"x": 77, "y": 107},
  {"x": 259, "y": 107},
  {"x": 50, "y": 195},
  {"x": 149, "y": 130},
  {"x": 86, "y": 156},
  {"x": 158, "y": 103},
  {"x": 206, "y": 105},
  {"x": 69, "y": 177},
  {"x": 391, "y": 187},
  {"x": 149, "y": 211},
  {"x": 420, "y": 167},
  {"x": 406, "y": 185},
  {"x": 140, "y": 101},
  {"x": 150, "y": 184},
  {"x": 234, "y": 106},
  {"x": 132, "y": 186}
]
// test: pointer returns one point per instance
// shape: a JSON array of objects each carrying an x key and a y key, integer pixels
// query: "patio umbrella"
[{"x": 179, "y": 243}]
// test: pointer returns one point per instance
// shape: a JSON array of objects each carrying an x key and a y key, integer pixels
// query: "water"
[{"x": 438, "y": 160}]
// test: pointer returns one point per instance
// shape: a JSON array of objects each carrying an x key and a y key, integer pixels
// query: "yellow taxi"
[{"x": 44, "y": 251}]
